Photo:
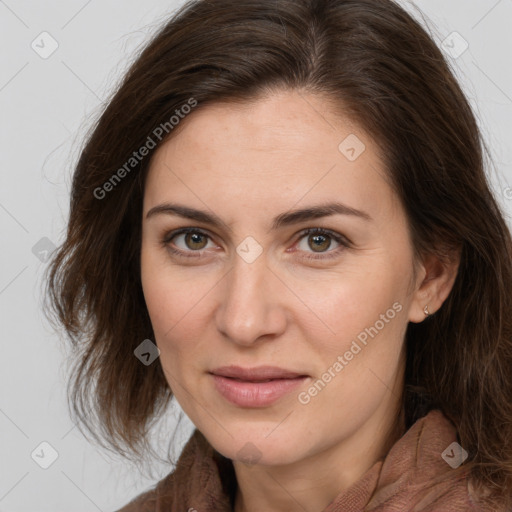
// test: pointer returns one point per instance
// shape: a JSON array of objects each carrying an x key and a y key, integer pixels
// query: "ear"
[{"x": 435, "y": 280}]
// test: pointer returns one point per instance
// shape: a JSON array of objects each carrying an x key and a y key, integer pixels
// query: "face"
[{"x": 253, "y": 283}]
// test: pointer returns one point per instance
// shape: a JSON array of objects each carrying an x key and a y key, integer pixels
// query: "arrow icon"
[
  {"x": 147, "y": 352},
  {"x": 455, "y": 45},
  {"x": 351, "y": 147},
  {"x": 454, "y": 455},
  {"x": 44, "y": 45},
  {"x": 249, "y": 249},
  {"x": 43, "y": 249},
  {"x": 44, "y": 455},
  {"x": 451, "y": 455}
]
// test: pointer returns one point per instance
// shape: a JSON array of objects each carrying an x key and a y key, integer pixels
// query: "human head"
[{"x": 251, "y": 295}]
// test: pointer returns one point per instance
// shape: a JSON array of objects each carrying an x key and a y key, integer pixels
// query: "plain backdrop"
[{"x": 46, "y": 104}]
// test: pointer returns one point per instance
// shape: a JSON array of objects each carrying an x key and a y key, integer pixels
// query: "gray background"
[{"x": 46, "y": 106}]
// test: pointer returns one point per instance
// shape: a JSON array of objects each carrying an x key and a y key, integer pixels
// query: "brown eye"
[
  {"x": 186, "y": 242},
  {"x": 195, "y": 240},
  {"x": 319, "y": 243}
]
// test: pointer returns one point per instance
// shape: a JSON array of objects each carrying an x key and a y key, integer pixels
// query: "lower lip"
[{"x": 255, "y": 394}]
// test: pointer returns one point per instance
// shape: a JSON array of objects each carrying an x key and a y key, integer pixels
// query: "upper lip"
[{"x": 256, "y": 373}]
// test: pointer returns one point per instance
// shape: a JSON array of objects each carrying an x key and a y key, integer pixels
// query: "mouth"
[
  {"x": 252, "y": 380},
  {"x": 255, "y": 387},
  {"x": 256, "y": 374}
]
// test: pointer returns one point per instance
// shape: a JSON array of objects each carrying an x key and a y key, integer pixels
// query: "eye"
[
  {"x": 194, "y": 242},
  {"x": 320, "y": 240}
]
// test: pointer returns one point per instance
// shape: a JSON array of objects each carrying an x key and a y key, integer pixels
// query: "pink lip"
[
  {"x": 256, "y": 373},
  {"x": 238, "y": 384}
]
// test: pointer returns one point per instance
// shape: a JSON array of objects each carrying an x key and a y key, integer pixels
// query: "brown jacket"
[{"x": 413, "y": 477}]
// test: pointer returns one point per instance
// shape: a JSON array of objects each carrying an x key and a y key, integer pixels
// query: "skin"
[{"x": 248, "y": 163}]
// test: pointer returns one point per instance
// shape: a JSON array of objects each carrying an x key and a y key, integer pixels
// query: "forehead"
[{"x": 270, "y": 153}]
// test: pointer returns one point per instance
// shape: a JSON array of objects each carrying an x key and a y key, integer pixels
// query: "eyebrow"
[{"x": 284, "y": 219}]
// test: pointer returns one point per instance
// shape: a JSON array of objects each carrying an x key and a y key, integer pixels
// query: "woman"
[{"x": 282, "y": 219}]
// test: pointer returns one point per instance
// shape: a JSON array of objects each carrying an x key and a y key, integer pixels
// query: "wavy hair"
[{"x": 386, "y": 73}]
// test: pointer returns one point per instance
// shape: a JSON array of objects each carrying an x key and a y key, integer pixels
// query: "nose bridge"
[{"x": 249, "y": 307}]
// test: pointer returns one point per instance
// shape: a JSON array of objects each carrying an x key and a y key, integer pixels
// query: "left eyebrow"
[
  {"x": 284, "y": 219},
  {"x": 316, "y": 212}
]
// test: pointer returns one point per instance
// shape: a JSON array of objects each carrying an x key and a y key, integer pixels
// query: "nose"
[{"x": 251, "y": 305}]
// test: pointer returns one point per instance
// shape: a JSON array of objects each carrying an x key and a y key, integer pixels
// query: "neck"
[{"x": 315, "y": 482}]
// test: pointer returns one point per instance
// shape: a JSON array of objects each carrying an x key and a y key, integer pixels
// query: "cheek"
[
  {"x": 166, "y": 295},
  {"x": 341, "y": 305},
  {"x": 360, "y": 356},
  {"x": 166, "y": 299},
  {"x": 368, "y": 315},
  {"x": 176, "y": 305}
]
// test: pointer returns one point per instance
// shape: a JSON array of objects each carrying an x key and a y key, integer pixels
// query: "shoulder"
[
  {"x": 145, "y": 502},
  {"x": 151, "y": 500},
  {"x": 195, "y": 477}
]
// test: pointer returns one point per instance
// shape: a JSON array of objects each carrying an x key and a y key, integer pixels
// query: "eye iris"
[
  {"x": 195, "y": 239},
  {"x": 319, "y": 238}
]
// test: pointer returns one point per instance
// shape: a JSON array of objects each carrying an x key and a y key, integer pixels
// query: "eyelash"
[{"x": 344, "y": 242}]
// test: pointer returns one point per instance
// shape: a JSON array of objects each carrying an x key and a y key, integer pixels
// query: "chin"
[{"x": 250, "y": 446}]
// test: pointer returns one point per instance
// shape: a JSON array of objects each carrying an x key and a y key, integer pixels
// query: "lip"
[
  {"x": 244, "y": 387},
  {"x": 256, "y": 373}
]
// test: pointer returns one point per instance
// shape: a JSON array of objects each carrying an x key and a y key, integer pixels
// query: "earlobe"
[
  {"x": 419, "y": 311},
  {"x": 439, "y": 277}
]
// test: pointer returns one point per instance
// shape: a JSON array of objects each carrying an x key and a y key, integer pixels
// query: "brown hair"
[{"x": 377, "y": 63}]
